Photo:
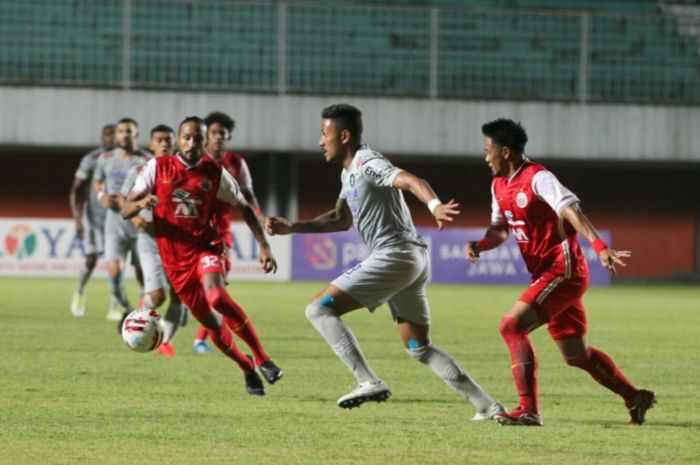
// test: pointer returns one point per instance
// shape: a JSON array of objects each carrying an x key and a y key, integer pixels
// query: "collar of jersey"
[
  {"x": 525, "y": 162},
  {"x": 187, "y": 165}
]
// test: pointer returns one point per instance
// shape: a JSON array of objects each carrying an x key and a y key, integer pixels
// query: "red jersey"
[
  {"x": 183, "y": 219},
  {"x": 231, "y": 162},
  {"x": 547, "y": 241}
]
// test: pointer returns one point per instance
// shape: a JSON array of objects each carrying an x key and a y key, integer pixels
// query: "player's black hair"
[
  {"x": 108, "y": 126},
  {"x": 346, "y": 117},
  {"x": 506, "y": 133},
  {"x": 129, "y": 121},
  {"x": 191, "y": 119},
  {"x": 221, "y": 118},
  {"x": 161, "y": 128}
]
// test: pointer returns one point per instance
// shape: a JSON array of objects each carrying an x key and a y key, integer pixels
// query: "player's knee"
[
  {"x": 216, "y": 297},
  {"x": 90, "y": 261},
  {"x": 157, "y": 298},
  {"x": 420, "y": 353},
  {"x": 316, "y": 311},
  {"x": 577, "y": 360},
  {"x": 511, "y": 327}
]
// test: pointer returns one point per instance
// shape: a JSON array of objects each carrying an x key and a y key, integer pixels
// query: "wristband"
[
  {"x": 484, "y": 244},
  {"x": 100, "y": 195},
  {"x": 599, "y": 245},
  {"x": 433, "y": 204}
]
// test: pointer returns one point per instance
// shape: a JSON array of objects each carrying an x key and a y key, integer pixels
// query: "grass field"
[{"x": 72, "y": 393}]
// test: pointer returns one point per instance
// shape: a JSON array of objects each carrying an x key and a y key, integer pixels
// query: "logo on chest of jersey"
[
  {"x": 516, "y": 227},
  {"x": 521, "y": 199},
  {"x": 185, "y": 207}
]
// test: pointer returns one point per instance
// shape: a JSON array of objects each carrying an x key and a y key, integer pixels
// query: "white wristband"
[
  {"x": 433, "y": 204},
  {"x": 100, "y": 195}
]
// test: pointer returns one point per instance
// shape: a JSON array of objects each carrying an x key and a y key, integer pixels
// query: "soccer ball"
[{"x": 141, "y": 330}]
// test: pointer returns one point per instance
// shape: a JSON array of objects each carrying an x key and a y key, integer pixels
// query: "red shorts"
[
  {"x": 558, "y": 301},
  {"x": 187, "y": 281}
]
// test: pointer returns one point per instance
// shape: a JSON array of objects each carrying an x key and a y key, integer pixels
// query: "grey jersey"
[
  {"x": 112, "y": 169},
  {"x": 94, "y": 212},
  {"x": 379, "y": 210}
]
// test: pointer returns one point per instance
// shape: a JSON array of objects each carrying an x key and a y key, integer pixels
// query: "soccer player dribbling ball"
[
  {"x": 544, "y": 218},
  {"x": 396, "y": 271},
  {"x": 183, "y": 191}
]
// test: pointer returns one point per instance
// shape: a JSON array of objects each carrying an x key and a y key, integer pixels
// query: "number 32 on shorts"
[{"x": 210, "y": 261}]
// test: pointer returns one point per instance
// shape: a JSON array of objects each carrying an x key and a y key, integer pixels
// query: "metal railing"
[{"x": 295, "y": 47}]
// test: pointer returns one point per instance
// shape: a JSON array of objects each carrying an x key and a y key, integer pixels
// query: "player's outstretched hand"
[
  {"x": 609, "y": 258},
  {"x": 149, "y": 202},
  {"x": 277, "y": 225},
  {"x": 267, "y": 261},
  {"x": 445, "y": 212},
  {"x": 472, "y": 251}
]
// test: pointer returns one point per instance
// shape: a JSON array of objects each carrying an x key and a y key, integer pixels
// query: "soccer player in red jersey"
[
  {"x": 183, "y": 191},
  {"x": 220, "y": 128},
  {"x": 544, "y": 218}
]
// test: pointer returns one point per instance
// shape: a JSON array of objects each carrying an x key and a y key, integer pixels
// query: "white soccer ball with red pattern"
[{"x": 141, "y": 330}]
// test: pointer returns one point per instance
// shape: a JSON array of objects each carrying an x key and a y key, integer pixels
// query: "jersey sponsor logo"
[
  {"x": 185, "y": 206},
  {"x": 519, "y": 233},
  {"x": 372, "y": 174},
  {"x": 521, "y": 199}
]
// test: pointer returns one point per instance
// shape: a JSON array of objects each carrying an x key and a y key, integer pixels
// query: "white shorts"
[
  {"x": 395, "y": 276},
  {"x": 152, "y": 266}
]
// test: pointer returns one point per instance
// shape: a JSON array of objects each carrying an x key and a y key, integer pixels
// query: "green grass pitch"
[{"x": 72, "y": 393}]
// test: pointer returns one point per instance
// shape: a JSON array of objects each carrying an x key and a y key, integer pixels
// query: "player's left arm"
[
  {"x": 424, "y": 192},
  {"x": 230, "y": 192},
  {"x": 245, "y": 182},
  {"x": 608, "y": 257}
]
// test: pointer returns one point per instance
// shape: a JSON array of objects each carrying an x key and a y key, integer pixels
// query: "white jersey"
[{"x": 379, "y": 210}]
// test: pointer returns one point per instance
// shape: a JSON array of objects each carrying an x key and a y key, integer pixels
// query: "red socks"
[
  {"x": 237, "y": 319},
  {"x": 224, "y": 341},
  {"x": 601, "y": 367},
  {"x": 201, "y": 334},
  {"x": 523, "y": 362}
]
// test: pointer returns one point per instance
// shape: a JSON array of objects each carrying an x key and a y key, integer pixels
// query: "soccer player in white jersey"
[
  {"x": 396, "y": 271},
  {"x": 120, "y": 234},
  {"x": 89, "y": 216},
  {"x": 156, "y": 285}
]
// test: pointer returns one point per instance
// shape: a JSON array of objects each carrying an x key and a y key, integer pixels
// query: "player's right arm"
[
  {"x": 98, "y": 183},
  {"x": 141, "y": 195},
  {"x": 338, "y": 219},
  {"x": 495, "y": 235}
]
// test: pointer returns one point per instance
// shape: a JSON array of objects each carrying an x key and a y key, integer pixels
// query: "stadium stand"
[{"x": 629, "y": 50}]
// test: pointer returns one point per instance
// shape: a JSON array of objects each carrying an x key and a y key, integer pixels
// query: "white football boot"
[
  {"x": 489, "y": 414},
  {"x": 364, "y": 392}
]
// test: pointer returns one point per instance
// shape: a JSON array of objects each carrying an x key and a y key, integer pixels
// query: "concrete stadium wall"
[{"x": 55, "y": 117}]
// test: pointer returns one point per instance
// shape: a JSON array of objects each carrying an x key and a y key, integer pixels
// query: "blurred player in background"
[
  {"x": 220, "y": 128},
  {"x": 89, "y": 216},
  {"x": 183, "y": 190},
  {"x": 396, "y": 271},
  {"x": 544, "y": 217},
  {"x": 156, "y": 284},
  {"x": 120, "y": 235}
]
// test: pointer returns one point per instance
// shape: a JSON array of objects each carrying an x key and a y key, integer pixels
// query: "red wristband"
[
  {"x": 599, "y": 245},
  {"x": 484, "y": 244}
]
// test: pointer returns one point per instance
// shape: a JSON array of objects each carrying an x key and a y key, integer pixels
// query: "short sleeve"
[
  {"x": 496, "y": 213},
  {"x": 380, "y": 172},
  {"x": 229, "y": 191},
  {"x": 146, "y": 179},
  {"x": 245, "y": 181},
  {"x": 549, "y": 189},
  {"x": 86, "y": 168}
]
